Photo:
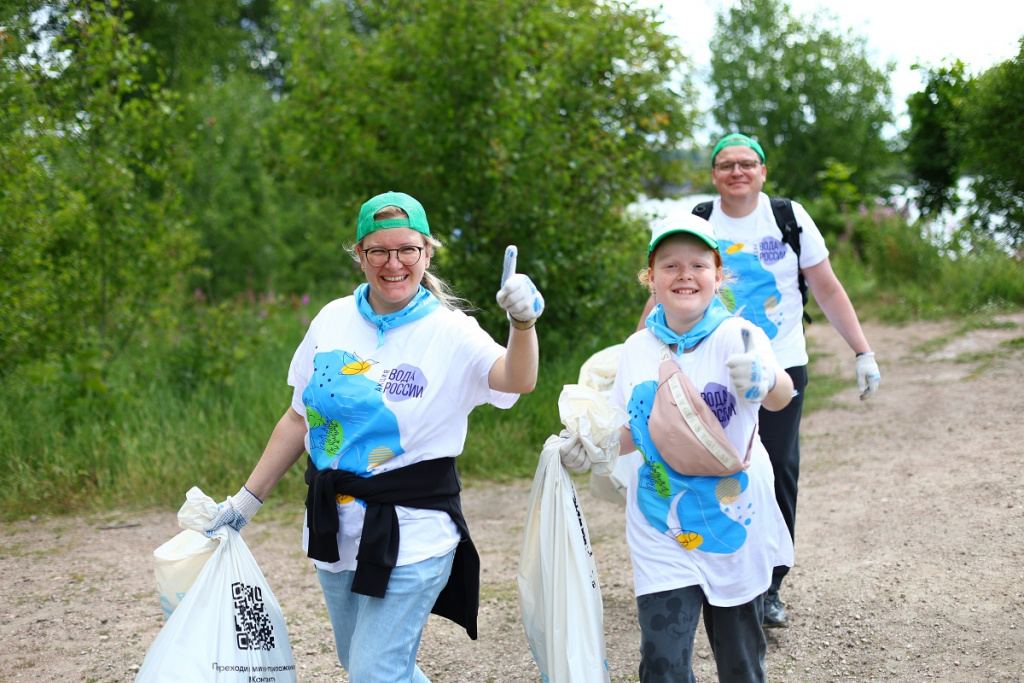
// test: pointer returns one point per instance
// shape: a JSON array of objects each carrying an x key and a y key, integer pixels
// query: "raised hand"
[
  {"x": 518, "y": 295},
  {"x": 750, "y": 375}
]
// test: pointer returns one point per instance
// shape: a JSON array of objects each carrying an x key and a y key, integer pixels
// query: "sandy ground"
[{"x": 909, "y": 552}]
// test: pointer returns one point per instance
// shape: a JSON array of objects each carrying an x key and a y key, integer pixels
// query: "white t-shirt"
[
  {"x": 370, "y": 410},
  {"x": 724, "y": 534},
  {"x": 765, "y": 289}
]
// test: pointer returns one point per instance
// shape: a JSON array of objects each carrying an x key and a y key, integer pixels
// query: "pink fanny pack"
[{"x": 686, "y": 432}]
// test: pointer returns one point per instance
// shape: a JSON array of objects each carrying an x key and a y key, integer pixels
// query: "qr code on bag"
[{"x": 253, "y": 628}]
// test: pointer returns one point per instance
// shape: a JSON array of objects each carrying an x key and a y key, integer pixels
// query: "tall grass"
[
  {"x": 177, "y": 415},
  {"x": 85, "y": 433},
  {"x": 896, "y": 270},
  {"x": 150, "y": 427}
]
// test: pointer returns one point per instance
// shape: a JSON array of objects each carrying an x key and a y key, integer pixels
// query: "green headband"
[
  {"x": 417, "y": 217},
  {"x": 737, "y": 139}
]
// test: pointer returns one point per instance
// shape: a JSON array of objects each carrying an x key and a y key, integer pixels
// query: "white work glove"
[
  {"x": 573, "y": 453},
  {"x": 234, "y": 512},
  {"x": 752, "y": 378},
  {"x": 518, "y": 295},
  {"x": 868, "y": 376}
]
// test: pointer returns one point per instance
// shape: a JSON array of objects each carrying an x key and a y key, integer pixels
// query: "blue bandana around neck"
[
  {"x": 715, "y": 314},
  {"x": 422, "y": 304}
]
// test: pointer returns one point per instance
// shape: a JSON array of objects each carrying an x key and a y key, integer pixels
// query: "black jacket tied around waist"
[{"x": 428, "y": 485}]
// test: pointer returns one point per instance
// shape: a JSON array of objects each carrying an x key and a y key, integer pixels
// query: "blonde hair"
[{"x": 432, "y": 283}]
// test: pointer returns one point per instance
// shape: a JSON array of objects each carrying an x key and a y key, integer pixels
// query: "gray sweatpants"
[{"x": 668, "y": 626}]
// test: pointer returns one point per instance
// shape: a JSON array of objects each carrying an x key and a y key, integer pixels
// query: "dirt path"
[{"x": 910, "y": 547}]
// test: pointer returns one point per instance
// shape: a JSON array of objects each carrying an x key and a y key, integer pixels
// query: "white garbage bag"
[
  {"x": 559, "y": 589},
  {"x": 609, "y": 480},
  {"x": 587, "y": 412},
  {"x": 598, "y": 372},
  {"x": 177, "y": 564},
  {"x": 228, "y": 627}
]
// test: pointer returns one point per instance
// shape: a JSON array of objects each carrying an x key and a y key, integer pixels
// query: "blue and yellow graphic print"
[
  {"x": 753, "y": 296},
  {"x": 700, "y": 513},
  {"x": 350, "y": 427}
]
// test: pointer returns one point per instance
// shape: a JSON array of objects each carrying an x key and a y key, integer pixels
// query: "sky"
[{"x": 980, "y": 33}]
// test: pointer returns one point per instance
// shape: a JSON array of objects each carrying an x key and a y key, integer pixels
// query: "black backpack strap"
[
  {"x": 704, "y": 210},
  {"x": 786, "y": 220}
]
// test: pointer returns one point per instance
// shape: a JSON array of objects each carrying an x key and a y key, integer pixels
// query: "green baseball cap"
[
  {"x": 737, "y": 139},
  {"x": 417, "y": 219},
  {"x": 686, "y": 223}
]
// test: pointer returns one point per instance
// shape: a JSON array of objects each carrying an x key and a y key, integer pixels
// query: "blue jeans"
[{"x": 377, "y": 638}]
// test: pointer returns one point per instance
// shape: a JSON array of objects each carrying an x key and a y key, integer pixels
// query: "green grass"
[{"x": 820, "y": 390}]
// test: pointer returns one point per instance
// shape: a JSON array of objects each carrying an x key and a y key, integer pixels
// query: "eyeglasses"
[
  {"x": 728, "y": 166},
  {"x": 379, "y": 256}
]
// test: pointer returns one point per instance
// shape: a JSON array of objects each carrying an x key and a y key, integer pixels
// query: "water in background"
[
  {"x": 667, "y": 208},
  {"x": 938, "y": 229}
]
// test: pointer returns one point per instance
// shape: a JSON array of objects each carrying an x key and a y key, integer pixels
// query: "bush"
[{"x": 899, "y": 269}]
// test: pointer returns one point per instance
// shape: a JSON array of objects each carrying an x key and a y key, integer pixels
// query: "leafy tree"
[
  {"x": 935, "y": 143},
  {"x": 806, "y": 90},
  {"x": 92, "y": 244},
  {"x": 513, "y": 122},
  {"x": 994, "y": 126},
  {"x": 195, "y": 41},
  {"x": 220, "y": 57},
  {"x": 250, "y": 224}
]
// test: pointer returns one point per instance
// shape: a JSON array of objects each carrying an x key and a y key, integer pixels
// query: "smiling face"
[
  {"x": 685, "y": 273},
  {"x": 738, "y": 186},
  {"x": 393, "y": 285}
]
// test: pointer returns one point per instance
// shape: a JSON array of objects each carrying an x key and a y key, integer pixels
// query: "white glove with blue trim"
[
  {"x": 518, "y": 295},
  {"x": 752, "y": 378},
  {"x": 234, "y": 512},
  {"x": 868, "y": 376}
]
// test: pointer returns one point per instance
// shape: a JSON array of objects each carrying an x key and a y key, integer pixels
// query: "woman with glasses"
[{"x": 383, "y": 384}]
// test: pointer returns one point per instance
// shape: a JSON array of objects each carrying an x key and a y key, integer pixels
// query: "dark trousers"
[
  {"x": 780, "y": 434},
  {"x": 668, "y": 626}
]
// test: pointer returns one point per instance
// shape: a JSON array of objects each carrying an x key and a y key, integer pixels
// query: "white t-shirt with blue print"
[
  {"x": 724, "y": 534},
  {"x": 370, "y": 410},
  {"x": 765, "y": 289}
]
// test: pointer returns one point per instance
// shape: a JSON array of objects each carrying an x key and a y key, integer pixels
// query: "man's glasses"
[
  {"x": 728, "y": 166},
  {"x": 379, "y": 256}
]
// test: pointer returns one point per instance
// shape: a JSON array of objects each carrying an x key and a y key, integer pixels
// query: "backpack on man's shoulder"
[{"x": 782, "y": 208}]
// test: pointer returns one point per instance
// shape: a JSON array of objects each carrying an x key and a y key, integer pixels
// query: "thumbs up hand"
[
  {"x": 518, "y": 295},
  {"x": 750, "y": 375}
]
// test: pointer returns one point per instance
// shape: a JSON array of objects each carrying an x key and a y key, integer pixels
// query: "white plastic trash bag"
[
  {"x": 559, "y": 590},
  {"x": 598, "y": 373},
  {"x": 228, "y": 628},
  {"x": 177, "y": 564},
  {"x": 587, "y": 412},
  {"x": 612, "y": 487}
]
